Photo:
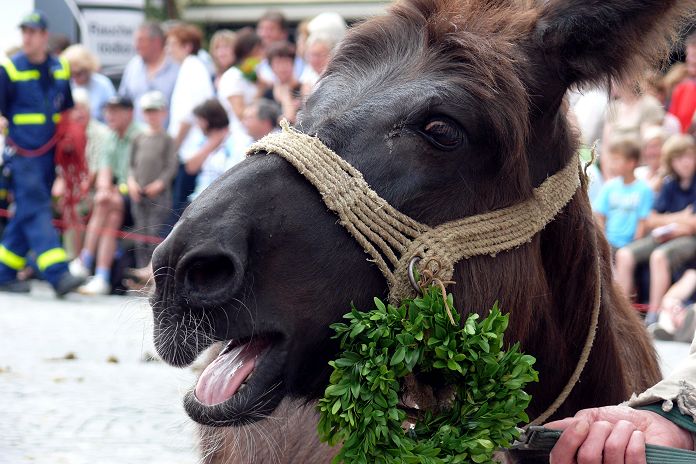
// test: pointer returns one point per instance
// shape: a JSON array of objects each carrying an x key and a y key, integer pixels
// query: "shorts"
[{"x": 679, "y": 251}]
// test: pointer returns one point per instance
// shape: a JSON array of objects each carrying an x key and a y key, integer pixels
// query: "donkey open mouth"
[
  {"x": 258, "y": 291},
  {"x": 239, "y": 383}
]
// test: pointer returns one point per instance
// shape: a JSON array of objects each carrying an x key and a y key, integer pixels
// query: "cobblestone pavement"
[{"x": 107, "y": 405}]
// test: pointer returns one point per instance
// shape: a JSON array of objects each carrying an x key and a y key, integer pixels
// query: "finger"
[
  {"x": 567, "y": 446},
  {"x": 561, "y": 424},
  {"x": 591, "y": 450},
  {"x": 617, "y": 442},
  {"x": 635, "y": 451}
]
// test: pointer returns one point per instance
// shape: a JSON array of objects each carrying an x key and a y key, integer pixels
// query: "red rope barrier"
[
  {"x": 643, "y": 308},
  {"x": 64, "y": 225}
]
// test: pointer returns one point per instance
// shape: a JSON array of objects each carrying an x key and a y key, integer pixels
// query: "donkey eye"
[{"x": 443, "y": 133}]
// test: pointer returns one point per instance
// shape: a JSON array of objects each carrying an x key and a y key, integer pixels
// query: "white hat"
[{"x": 153, "y": 100}]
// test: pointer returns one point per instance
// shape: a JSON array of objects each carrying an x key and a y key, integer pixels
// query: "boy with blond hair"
[{"x": 623, "y": 203}]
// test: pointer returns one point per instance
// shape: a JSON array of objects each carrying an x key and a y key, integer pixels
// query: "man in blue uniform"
[{"x": 34, "y": 90}]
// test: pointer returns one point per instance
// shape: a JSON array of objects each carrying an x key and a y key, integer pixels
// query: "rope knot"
[{"x": 431, "y": 275}]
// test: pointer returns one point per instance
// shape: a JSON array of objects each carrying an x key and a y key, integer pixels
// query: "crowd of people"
[
  {"x": 180, "y": 117},
  {"x": 643, "y": 188}
]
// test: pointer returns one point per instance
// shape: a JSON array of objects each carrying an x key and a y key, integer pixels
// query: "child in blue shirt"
[{"x": 623, "y": 203}]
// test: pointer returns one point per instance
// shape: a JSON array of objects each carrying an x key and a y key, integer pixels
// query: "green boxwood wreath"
[{"x": 474, "y": 411}]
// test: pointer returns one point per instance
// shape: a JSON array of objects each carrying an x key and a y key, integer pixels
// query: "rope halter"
[{"x": 393, "y": 239}]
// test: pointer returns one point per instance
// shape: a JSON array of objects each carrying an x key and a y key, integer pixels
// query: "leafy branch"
[{"x": 410, "y": 387}]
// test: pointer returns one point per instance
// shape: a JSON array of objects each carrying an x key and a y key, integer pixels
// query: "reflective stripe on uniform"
[
  {"x": 64, "y": 72},
  {"x": 15, "y": 75},
  {"x": 51, "y": 257},
  {"x": 33, "y": 118},
  {"x": 3, "y": 194},
  {"x": 28, "y": 118},
  {"x": 11, "y": 260}
]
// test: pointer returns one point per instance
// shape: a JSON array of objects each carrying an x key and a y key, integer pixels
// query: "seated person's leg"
[
  {"x": 660, "y": 280},
  {"x": 673, "y": 306},
  {"x": 665, "y": 261},
  {"x": 627, "y": 258},
  {"x": 100, "y": 283},
  {"x": 680, "y": 252},
  {"x": 102, "y": 205}
]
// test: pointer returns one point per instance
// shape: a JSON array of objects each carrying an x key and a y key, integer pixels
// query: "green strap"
[
  {"x": 682, "y": 420},
  {"x": 539, "y": 441}
]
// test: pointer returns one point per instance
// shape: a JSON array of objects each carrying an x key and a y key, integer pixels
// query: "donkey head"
[{"x": 449, "y": 108}]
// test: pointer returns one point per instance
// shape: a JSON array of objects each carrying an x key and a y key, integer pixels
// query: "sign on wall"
[{"x": 110, "y": 34}]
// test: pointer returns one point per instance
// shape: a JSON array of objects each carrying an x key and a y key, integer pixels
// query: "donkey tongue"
[{"x": 223, "y": 377}]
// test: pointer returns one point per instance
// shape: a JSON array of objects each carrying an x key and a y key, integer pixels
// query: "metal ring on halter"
[{"x": 411, "y": 273}]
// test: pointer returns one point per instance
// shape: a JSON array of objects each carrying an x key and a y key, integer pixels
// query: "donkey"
[{"x": 449, "y": 108}]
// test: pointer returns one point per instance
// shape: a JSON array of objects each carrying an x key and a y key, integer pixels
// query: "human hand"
[
  {"x": 58, "y": 189},
  {"x": 674, "y": 310},
  {"x": 154, "y": 188},
  {"x": 680, "y": 230},
  {"x": 667, "y": 232},
  {"x": 614, "y": 434},
  {"x": 215, "y": 137},
  {"x": 134, "y": 190}
]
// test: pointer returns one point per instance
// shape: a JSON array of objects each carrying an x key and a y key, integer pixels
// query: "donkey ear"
[{"x": 592, "y": 40}]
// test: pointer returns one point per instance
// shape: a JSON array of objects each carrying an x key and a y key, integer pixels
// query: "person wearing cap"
[
  {"x": 34, "y": 91},
  {"x": 110, "y": 199},
  {"x": 153, "y": 165}
]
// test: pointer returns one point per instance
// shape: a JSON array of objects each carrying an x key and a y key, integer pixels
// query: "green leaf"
[
  {"x": 336, "y": 407},
  {"x": 355, "y": 389},
  {"x": 453, "y": 365},
  {"x": 357, "y": 329},
  {"x": 399, "y": 356},
  {"x": 380, "y": 306}
]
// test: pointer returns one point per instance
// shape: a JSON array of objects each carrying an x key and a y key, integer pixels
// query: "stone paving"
[{"x": 75, "y": 387}]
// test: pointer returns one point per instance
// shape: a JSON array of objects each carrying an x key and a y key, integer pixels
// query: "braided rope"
[{"x": 391, "y": 238}]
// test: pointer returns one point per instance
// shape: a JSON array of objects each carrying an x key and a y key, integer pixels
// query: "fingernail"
[{"x": 582, "y": 426}]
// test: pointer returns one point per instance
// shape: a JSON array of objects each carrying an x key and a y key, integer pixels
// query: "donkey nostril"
[{"x": 211, "y": 275}]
